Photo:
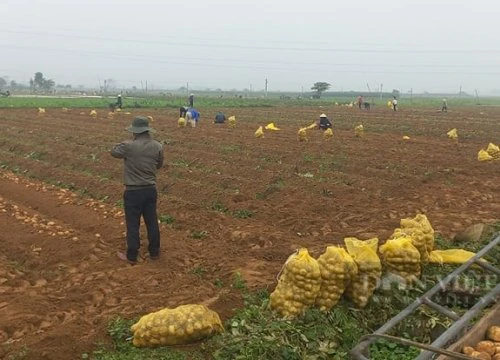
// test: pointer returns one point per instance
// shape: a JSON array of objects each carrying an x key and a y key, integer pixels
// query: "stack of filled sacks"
[
  {"x": 337, "y": 269},
  {"x": 401, "y": 258},
  {"x": 364, "y": 254},
  {"x": 182, "y": 325},
  {"x": 298, "y": 285}
]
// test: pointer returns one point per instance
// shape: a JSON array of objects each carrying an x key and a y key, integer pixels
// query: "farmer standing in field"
[
  {"x": 119, "y": 101},
  {"x": 444, "y": 106},
  {"x": 142, "y": 157},
  {"x": 191, "y": 100},
  {"x": 394, "y": 103}
]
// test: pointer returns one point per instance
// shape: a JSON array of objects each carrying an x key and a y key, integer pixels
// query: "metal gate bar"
[{"x": 358, "y": 352}]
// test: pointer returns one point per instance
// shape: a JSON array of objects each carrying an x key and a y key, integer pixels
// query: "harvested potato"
[
  {"x": 468, "y": 350},
  {"x": 486, "y": 346},
  {"x": 480, "y": 355},
  {"x": 493, "y": 333}
]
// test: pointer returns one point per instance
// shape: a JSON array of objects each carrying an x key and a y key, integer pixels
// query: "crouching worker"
[
  {"x": 324, "y": 123},
  {"x": 142, "y": 157},
  {"x": 220, "y": 118},
  {"x": 182, "y": 111},
  {"x": 192, "y": 117}
]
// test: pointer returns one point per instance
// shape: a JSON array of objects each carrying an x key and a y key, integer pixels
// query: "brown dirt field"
[{"x": 61, "y": 282}]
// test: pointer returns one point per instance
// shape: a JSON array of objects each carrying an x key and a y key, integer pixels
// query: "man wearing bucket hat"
[{"x": 142, "y": 157}]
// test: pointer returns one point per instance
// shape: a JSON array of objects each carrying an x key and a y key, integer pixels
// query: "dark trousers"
[{"x": 141, "y": 203}]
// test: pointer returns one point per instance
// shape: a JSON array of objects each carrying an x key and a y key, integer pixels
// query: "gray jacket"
[{"x": 142, "y": 157}]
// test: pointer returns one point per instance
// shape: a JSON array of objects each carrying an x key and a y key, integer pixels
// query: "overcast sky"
[{"x": 424, "y": 45}]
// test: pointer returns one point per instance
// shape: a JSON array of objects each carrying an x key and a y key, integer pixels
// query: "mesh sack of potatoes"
[
  {"x": 337, "y": 269},
  {"x": 494, "y": 151},
  {"x": 364, "y": 254},
  {"x": 401, "y": 258},
  {"x": 183, "y": 325},
  {"x": 181, "y": 122},
  {"x": 422, "y": 233},
  {"x": 298, "y": 285}
]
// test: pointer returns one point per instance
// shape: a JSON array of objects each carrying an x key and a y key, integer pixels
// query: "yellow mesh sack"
[
  {"x": 422, "y": 233},
  {"x": 181, "y": 122},
  {"x": 364, "y": 254},
  {"x": 337, "y": 269},
  {"x": 450, "y": 256},
  {"x": 231, "y": 121},
  {"x": 359, "y": 131},
  {"x": 314, "y": 125},
  {"x": 483, "y": 155},
  {"x": 401, "y": 258},
  {"x": 492, "y": 149},
  {"x": 452, "y": 134},
  {"x": 259, "y": 132},
  {"x": 271, "y": 126},
  {"x": 302, "y": 134},
  {"x": 183, "y": 325},
  {"x": 328, "y": 133},
  {"x": 298, "y": 285}
]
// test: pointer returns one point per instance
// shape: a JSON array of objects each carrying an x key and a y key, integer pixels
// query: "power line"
[
  {"x": 266, "y": 48},
  {"x": 202, "y": 62}
]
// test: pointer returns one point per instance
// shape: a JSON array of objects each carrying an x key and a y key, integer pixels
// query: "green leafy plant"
[{"x": 197, "y": 234}]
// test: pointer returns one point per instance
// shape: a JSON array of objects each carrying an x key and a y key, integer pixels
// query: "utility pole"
[
  {"x": 146, "y": 86},
  {"x": 411, "y": 95},
  {"x": 460, "y": 93},
  {"x": 266, "y": 87},
  {"x": 187, "y": 88},
  {"x": 381, "y": 87},
  {"x": 477, "y": 97}
]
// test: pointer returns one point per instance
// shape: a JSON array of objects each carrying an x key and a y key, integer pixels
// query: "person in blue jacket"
[{"x": 192, "y": 117}]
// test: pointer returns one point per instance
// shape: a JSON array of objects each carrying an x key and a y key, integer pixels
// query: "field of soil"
[{"x": 229, "y": 203}]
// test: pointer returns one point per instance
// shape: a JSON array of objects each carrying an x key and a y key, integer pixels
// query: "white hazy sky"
[{"x": 424, "y": 45}]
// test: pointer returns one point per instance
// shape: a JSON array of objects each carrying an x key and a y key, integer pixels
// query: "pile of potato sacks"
[
  {"x": 354, "y": 271},
  {"x": 182, "y": 325},
  {"x": 486, "y": 349}
]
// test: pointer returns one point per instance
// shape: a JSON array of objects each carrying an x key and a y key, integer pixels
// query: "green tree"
[
  {"x": 320, "y": 88},
  {"x": 3, "y": 82},
  {"x": 39, "y": 82}
]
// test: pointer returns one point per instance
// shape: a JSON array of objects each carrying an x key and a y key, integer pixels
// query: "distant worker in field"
[
  {"x": 142, "y": 157},
  {"x": 119, "y": 101},
  {"x": 360, "y": 101},
  {"x": 182, "y": 111},
  {"x": 191, "y": 100},
  {"x": 324, "y": 123},
  {"x": 220, "y": 118},
  {"x": 444, "y": 106},
  {"x": 394, "y": 104},
  {"x": 192, "y": 117}
]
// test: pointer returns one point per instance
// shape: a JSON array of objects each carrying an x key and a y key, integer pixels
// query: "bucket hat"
[
  {"x": 322, "y": 115},
  {"x": 139, "y": 125}
]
